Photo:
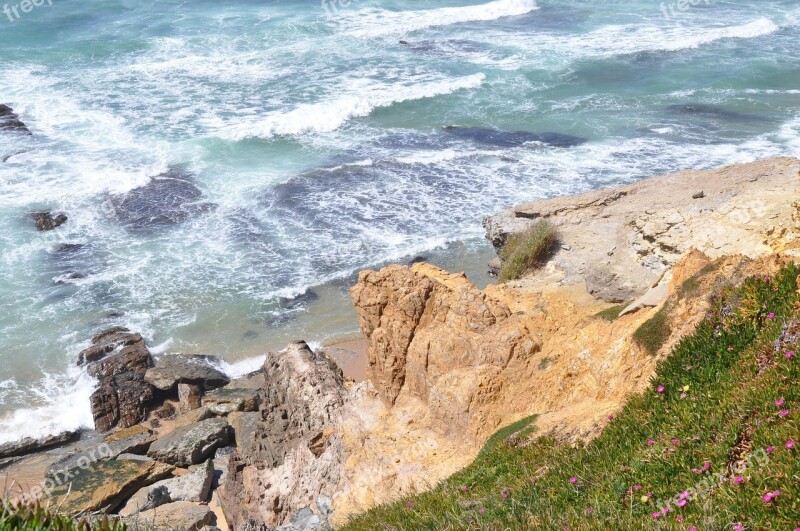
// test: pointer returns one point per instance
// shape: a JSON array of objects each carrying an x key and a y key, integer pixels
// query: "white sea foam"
[
  {"x": 64, "y": 407},
  {"x": 377, "y": 22},
  {"x": 358, "y": 99}
]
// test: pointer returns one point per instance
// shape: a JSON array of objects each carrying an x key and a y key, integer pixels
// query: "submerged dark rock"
[
  {"x": 714, "y": 112},
  {"x": 168, "y": 199},
  {"x": 497, "y": 137},
  {"x": 46, "y": 220},
  {"x": 299, "y": 301}
]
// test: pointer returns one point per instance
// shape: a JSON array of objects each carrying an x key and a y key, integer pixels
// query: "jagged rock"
[
  {"x": 9, "y": 121},
  {"x": 108, "y": 341},
  {"x": 192, "y": 444},
  {"x": 189, "y": 397},
  {"x": 185, "y": 516},
  {"x": 29, "y": 445},
  {"x": 177, "y": 368},
  {"x": 134, "y": 359},
  {"x": 104, "y": 485},
  {"x": 122, "y": 398},
  {"x": 193, "y": 417},
  {"x": 121, "y": 401},
  {"x": 227, "y": 400},
  {"x": 134, "y": 440},
  {"x": 275, "y": 478},
  {"x": 193, "y": 487},
  {"x": 45, "y": 221}
]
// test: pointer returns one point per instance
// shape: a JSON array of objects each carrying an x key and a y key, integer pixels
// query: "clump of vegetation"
[
  {"x": 611, "y": 314},
  {"x": 37, "y": 518},
  {"x": 654, "y": 332},
  {"x": 527, "y": 250},
  {"x": 710, "y": 445}
]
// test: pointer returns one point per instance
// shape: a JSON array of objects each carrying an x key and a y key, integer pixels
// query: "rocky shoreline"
[{"x": 297, "y": 445}]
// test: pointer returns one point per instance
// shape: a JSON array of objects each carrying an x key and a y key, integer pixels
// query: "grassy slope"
[
  {"x": 39, "y": 519},
  {"x": 718, "y": 407}
]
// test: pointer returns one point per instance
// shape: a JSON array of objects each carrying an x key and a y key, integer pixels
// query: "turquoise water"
[{"x": 307, "y": 142}]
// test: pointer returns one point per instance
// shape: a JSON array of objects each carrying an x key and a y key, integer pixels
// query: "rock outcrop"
[
  {"x": 621, "y": 241},
  {"x": 295, "y": 457},
  {"x": 119, "y": 359},
  {"x": 9, "y": 121}
]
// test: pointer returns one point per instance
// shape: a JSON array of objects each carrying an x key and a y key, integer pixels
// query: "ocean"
[{"x": 298, "y": 142}]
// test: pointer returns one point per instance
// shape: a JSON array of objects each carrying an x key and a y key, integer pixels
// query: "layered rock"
[
  {"x": 119, "y": 359},
  {"x": 197, "y": 370}
]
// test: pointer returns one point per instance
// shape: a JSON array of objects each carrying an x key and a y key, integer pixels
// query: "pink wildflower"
[
  {"x": 505, "y": 495},
  {"x": 637, "y": 487},
  {"x": 783, "y": 413},
  {"x": 770, "y": 449},
  {"x": 676, "y": 441},
  {"x": 679, "y": 518},
  {"x": 780, "y": 402},
  {"x": 650, "y": 442},
  {"x": 771, "y": 316},
  {"x": 738, "y": 480},
  {"x": 682, "y": 503},
  {"x": 684, "y": 494},
  {"x": 790, "y": 445},
  {"x": 660, "y": 389},
  {"x": 706, "y": 465},
  {"x": 738, "y": 527},
  {"x": 481, "y": 510},
  {"x": 789, "y": 354},
  {"x": 573, "y": 480},
  {"x": 767, "y": 498},
  {"x": 409, "y": 505},
  {"x": 656, "y": 515},
  {"x": 464, "y": 488}
]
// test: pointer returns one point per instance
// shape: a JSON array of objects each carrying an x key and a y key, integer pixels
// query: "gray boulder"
[
  {"x": 197, "y": 370},
  {"x": 185, "y": 516},
  {"x": 227, "y": 400},
  {"x": 193, "y": 487},
  {"x": 192, "y": 444}
]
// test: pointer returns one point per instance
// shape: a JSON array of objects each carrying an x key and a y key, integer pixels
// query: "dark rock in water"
[
  {"x": 300, "y": 300},
  {"x": 166, "y": 200},
  {"x": 417, "y": 260},
  {"x": 250, "y": 335},
  {"x": 131, "y": 359},
  {"x": 30, "y": 445},
  {"x": 108, "y": 341},
  {"x": 404, "y": 43},
  {"x": 9, "y": 121},
  {"x": 119, "y": 359},
  {"x": 496, "y": 137},
  {"x": 68, "y": 248},
  {"x": 199, "y": 370},
  {"x": 47, "y": 221},
  {"x": 192, "y": 444},
  {"x": 713, "y": 111}
]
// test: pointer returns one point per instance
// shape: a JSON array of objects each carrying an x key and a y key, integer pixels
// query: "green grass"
[
  {"x": 654, "y": 332},
  {"x": 718, "y": 406},
  {"x": 36, "y": 518},
  {"x": 527, "y": 250},
  {"x": 611, "y": 314}
]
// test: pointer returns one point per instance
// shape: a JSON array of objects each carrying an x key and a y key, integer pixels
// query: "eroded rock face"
[
  {"x": 9, "y": 121},
  {"x": 294, "y": 456},
  {"x": 193, "y": 487}
]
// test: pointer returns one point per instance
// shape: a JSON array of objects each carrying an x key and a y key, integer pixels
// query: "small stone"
[
  {"x": 699, "y": 195},
  {"x": 182, "y": 515}
]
